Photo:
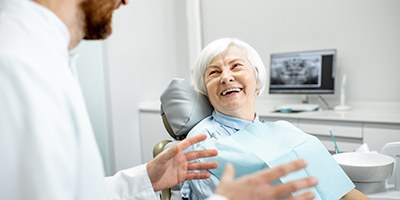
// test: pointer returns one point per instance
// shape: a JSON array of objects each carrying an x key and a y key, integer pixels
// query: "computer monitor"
[{"x": 306, "y": 72}]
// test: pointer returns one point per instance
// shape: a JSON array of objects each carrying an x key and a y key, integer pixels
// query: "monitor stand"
[
  {"x": 303, "y": 107},
  {"x": 304, "y": 99}
]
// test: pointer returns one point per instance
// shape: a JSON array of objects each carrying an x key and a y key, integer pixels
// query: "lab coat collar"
[
  {"x": 44, "y": 25},
  {"x": 73, "y": 58}
]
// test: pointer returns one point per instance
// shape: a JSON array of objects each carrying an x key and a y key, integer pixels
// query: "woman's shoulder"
[{"x": 201, "y": 127}]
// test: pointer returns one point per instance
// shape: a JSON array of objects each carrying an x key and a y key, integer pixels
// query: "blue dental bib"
[{"x": 267, "y": 145}]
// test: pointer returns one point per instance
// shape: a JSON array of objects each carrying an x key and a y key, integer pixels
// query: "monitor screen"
[{"x": 306, "y": 72}]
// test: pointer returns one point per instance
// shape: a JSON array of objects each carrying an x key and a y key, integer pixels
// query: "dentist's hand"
[
  {"x": 259, "y": 186},
  {"x": 172, "y": 166}
]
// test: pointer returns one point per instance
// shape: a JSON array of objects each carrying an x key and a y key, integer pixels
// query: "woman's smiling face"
[{"x": 231, "y": 83}]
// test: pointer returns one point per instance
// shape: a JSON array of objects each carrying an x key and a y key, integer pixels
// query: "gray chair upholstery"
[{"x": 181, "y": 109}]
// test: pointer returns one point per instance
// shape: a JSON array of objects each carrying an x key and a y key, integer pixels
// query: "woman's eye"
[
  {"x": 212, "y": 72},
  {"x": 236, "y": 65}
]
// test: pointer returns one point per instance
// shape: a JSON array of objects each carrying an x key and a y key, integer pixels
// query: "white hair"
[{"x": 218, "y": 47}]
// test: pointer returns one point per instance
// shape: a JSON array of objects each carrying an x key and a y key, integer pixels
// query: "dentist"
[{"x": 47, "y": 145}]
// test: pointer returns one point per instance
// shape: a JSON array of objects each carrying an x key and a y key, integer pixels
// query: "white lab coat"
[{"x": 47, "y": 145}]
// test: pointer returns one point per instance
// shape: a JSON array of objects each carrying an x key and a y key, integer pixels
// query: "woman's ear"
[
  {"x": 257, "y": 92},
  {"x": 258, "y": 87}
]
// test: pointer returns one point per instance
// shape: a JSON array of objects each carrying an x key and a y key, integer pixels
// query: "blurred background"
[{"x": 154, "y": 41}]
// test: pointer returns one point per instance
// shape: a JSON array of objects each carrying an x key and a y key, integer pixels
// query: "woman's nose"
[{"x": 227, "y": 77}]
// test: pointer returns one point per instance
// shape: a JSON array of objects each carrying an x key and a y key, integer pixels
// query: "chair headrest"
[{"x": 182, "y": 108}]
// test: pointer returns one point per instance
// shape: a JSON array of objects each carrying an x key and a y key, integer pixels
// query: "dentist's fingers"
[
  {"x": 259, "y": 186},
  {"x": 294, "y": 186},
  {"x": 191, "y": 155},
  {"x": 181, "y": 146},
  {"x": 202, "y": 166},
  {"x": 197, "y": 175},
  {"x": 191, "y": 140},
  {"x": 282, "y": 170},
  {"x": 229, "y": 173}
]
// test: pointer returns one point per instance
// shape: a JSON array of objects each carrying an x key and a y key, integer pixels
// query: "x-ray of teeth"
[{"x": 296, "y": 71}]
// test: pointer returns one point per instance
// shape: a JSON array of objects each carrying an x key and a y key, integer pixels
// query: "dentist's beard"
[{"x": 98, "y": 15}]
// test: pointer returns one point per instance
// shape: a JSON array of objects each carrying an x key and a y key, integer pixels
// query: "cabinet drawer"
[
  {"x": 376, "y": 136},
  {"x": 339, "y": 129},
  {"x": 344, "y": 144}
]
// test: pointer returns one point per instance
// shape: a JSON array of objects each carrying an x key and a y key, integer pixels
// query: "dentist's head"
[
  {"x": 98, "y": 15},
  {"x": 85, "y": 19}
]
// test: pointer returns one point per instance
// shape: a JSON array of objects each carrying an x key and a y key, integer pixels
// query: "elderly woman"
[{"x": 231, "y": 73}]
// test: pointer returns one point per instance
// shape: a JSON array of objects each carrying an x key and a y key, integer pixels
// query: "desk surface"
[
  {"x": 361, "y": 112},
  {"x": 372, "y": 112}
]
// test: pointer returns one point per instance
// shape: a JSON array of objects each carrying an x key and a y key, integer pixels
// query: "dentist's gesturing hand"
[
  {"x": 172, "y": 166},
  {"x": 259, "y": 186}
]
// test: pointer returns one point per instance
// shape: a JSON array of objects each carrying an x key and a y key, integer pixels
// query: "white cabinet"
[
  {"x": 339, "y": 129},
  {"x": 377, "y": 135},
  {"x": 348, "y": 135}
]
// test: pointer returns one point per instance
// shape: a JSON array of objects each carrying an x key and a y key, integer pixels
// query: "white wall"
[
  {"x": 366, "y": 34},
  {"x": 144, "y": 53},
  {"x": 93, "y": 79}
]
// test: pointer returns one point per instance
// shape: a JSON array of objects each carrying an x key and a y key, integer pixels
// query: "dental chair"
[{"x": 181, "y": 109}]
